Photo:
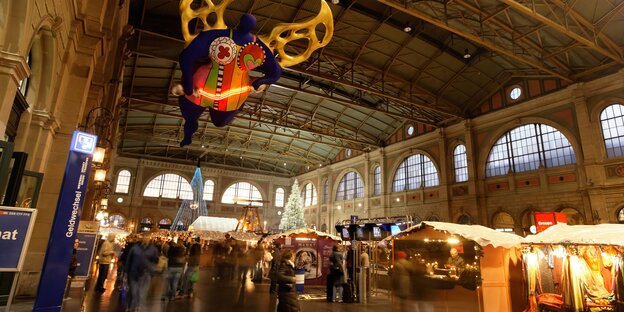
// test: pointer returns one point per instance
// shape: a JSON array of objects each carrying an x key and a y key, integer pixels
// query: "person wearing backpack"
[
  {"x": 176, "y": 261},
  {"x": 191, "y": 276}
]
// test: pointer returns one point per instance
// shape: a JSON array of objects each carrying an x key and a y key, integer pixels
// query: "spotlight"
[
  {"x": 407, "y": 28},
  {"x": 467, "y": 54},
  {"x": 335, "y": 1}
]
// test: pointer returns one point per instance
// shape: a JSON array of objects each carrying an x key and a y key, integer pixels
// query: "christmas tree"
[{"x": 292, "y": 218}]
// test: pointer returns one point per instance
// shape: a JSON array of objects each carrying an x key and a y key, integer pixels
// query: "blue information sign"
[
  {"x": 65, "y": 225},
  {"x": 14, "y": 233},
  {"x": 84, "y": 252}
]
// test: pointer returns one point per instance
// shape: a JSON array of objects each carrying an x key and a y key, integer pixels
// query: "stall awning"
[
  {"x": 301, "y": 231},
  {"x": 480, "y": 234},
  {"x": 215, "y": 224},
  {"x": 599, "y": 234}
]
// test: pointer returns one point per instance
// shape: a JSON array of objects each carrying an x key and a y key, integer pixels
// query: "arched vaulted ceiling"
[{"x": 371, "y": 79}]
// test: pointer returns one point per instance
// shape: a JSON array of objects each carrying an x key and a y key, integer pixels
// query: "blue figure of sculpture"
[{"x": 216, "y": 62}]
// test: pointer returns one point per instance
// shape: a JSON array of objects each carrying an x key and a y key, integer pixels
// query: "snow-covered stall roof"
[
  {"x": 104, "y": 231},
  {"x": 214, "y": 224},
  {"x": 219, "y": 236},
  {"x": 480, "y": 234},
  {"x": 301, "y": 231},
  {"x": 599, "y": 234}
]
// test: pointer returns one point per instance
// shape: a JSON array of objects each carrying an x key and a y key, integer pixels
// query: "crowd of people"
[{"x": 177, "y": 260}]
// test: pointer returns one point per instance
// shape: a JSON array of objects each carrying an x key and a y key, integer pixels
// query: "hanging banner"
[
  {"x": 86, "y": 236},
  {"x": 65, "y": 224},
  {"x": 15, "y": 227}
]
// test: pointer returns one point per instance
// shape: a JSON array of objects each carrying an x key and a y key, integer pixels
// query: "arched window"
[
  {"x": 620, "y": 217},
  {"x": 573, "y": 216},
  {"x": 116, "y": 220},
  {"x": 308, "y": 193},
  {"x": 415, "y": 171},
  {"x": 164, "y": 223},
  {"x": 350, "y": 186},
  {"x": 528, "y": 147},
  {"x": 460, "y": 162},
  {"x": 464, "y": 219},
  {"x": 123, "y": 182},
  {"x": 240, "y": 191},
  {"x": 146, "y": 221},
  {"x": 279, "y": 197},
  {"x": 169, "y": 185},
  {"x": 612, "y": 122},
  {"x": 377, "y": 181},
  {"x": 326, "y": 191},
  {"x": 503, "y": 222},
  {"x": 208, "y": 190}
]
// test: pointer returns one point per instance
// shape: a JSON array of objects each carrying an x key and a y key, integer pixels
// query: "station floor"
[{"x": 217, "y": 295}]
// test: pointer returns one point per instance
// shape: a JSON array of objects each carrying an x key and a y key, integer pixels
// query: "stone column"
[{"x": 13, "y": 68}]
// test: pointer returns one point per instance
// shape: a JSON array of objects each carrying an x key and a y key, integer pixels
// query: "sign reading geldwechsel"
[
  {"x": 65, "y": 224},
  {"x": 15, "y": 228}
]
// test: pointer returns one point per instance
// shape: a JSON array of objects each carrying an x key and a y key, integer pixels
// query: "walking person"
[
  {"x": 336, "y": 269},
  {"x": 194, "y": 253},
  {"x": 176, "y": 261},
  {"x": 139, "y": 265},
  {"x": 287, "y": 292},
  {"x": 105, "y": 257},
  {"x": 275, "y": 264}
]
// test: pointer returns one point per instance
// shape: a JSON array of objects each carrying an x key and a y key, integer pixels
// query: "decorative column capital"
[
  {"x": 14, "y": 65},
  {"x": 45, "y": 120}
]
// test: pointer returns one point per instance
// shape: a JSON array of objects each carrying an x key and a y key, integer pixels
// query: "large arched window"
[
  {"x": 612, "y": 122},
  {"x": 460, "y": 162},
  {"x": 117, "y": 220},
  {"x": 503, "y": 222},
  {"x": 308, "y": 193},
  {"x": 123, "y": 182},
  {"x": 279, "y": 197},
  {"x": 377, "y": 181},
  {"x": 169, "y": 185},
  {"x": 415, "y": 171},
  {"x": 528, "y": 147},
  {"x": 209, "y": 190},
  {"x": 350, "y": 186},
  {"x": 241, "y": 191}
]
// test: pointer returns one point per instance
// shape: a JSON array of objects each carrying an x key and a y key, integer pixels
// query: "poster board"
[{"x": 87, "y": 238}]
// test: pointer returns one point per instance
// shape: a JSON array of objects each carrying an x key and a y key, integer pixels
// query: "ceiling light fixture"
[
  {"x": 335, "y": 1},
  {"x": 467, "y": 54},
  {"x": 407, "y": 28}
]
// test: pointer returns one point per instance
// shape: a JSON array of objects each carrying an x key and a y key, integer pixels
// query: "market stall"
[
  {"x": 312, "y": 250},
  {"x": 575, "y": 268},
  {"x": 455, "y": 267}
]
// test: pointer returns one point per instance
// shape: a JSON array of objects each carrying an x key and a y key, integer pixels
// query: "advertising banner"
[
  {"x": 87, "y": 236},
  {"x": 544, "y": 220},
  {"x": 15, "y": 228},
  {"x": 311, "y": 255},
  {"x": 65, "y": 224}
]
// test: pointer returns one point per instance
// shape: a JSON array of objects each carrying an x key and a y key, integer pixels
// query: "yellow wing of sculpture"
[
  {"x": 279, "y": 37},
  {"x": 284, "y": 33},
  {"x": 188, "y": 14}
]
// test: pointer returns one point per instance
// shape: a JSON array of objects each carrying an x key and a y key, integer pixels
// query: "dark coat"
[
  {"x": 141, "y": 260},
  {"x": 286, "y": 290}
]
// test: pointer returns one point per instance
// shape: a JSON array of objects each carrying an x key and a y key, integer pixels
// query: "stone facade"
[{"x": 590, "y": 191}]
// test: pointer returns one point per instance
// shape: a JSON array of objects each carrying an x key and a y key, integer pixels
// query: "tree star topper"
[{"x": 222, "y": 83}]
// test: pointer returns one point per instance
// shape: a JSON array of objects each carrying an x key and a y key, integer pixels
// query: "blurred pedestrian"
[
  {"x": 105, "y": 256},
  {"x": 176, "y": 261},
  {"x": 139, "y": 265},
  {"x": 287, "y": 292},
  {"x": 192, "y": 270},
  {"x": 401, "y": 277},
  {"x": 275, "y": 264},
  {"x": 337, "y": 270}
]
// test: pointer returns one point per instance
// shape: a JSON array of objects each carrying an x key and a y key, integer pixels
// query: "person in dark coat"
[
  {"x": 286, "y": 290},
  {"x": 139, "y": 263},
  {"x": 275, "y": 264}
]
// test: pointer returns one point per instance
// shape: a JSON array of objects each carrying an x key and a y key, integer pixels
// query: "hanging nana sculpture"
[{"x": 216, "y": 62}]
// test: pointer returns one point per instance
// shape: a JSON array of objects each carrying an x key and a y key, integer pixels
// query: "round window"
[
  {"x": 120, "y": 200},
  {"x": 348, "y": 152},
  {"x": 515, "y": 93},
  {"x": 410, "y": 130}
]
